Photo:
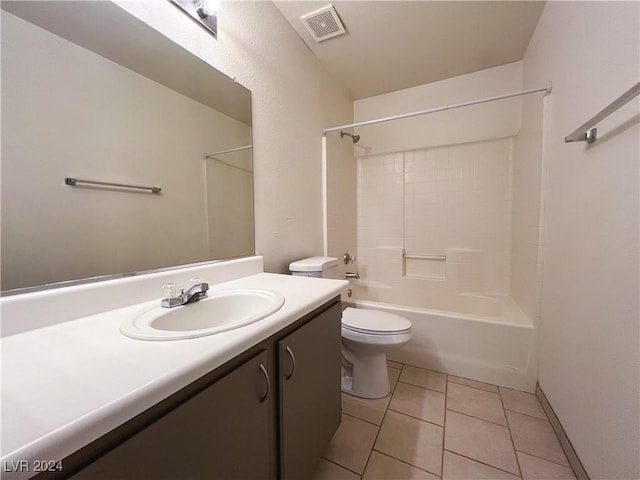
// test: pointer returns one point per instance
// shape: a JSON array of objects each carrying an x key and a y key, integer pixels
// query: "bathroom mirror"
[{"x": 90, "y": 92}]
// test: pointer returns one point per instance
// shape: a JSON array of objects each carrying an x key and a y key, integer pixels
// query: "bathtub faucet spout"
[{"x": 352, "y": 275}]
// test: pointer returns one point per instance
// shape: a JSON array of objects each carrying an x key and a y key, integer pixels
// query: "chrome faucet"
[
  {"x": 193, "y": 294},
  {"x": 352, "y": 275}
]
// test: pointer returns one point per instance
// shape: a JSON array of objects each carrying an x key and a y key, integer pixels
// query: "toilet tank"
[{"x": 322, "y": 267}]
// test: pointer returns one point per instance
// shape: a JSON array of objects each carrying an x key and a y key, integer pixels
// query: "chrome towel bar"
[
  {"x": 587, "y": 131},
  {"x": 74, "y": 181}
]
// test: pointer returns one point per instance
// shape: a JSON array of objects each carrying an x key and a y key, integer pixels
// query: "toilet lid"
[{"x": 373, "y": 321}]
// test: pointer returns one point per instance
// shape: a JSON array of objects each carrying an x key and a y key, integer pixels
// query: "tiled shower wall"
[{"x": 451, "y": 204}]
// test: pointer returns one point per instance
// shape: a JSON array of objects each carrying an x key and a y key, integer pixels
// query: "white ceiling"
[{"x": 392, "y": 45}]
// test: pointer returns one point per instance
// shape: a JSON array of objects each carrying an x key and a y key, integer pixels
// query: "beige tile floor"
[{"x": 434, "y": 425}]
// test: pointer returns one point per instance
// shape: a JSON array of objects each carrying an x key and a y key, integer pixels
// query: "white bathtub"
[{"x": 488, "y": 340}]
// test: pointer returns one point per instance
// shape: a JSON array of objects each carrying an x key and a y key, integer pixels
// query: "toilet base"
[
  {"x": 367, "y": 337},
  {"x": 366, "y": 375}
]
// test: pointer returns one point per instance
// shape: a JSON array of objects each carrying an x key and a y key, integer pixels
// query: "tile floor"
[{"x": 434, "y": 425}]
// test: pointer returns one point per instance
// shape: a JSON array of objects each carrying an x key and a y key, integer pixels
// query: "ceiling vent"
[{"x": 323, "y": 24}]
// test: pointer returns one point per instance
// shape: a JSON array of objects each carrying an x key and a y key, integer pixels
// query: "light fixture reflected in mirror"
[{"x": 205, "y": 12}]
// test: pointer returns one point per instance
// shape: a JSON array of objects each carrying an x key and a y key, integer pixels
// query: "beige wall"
[
  {"x": 589, "y": 346},
  {"x": 469, "y": 124},
  {"x": 291, "y": 100},
  {"x": 341, "y": 180}
]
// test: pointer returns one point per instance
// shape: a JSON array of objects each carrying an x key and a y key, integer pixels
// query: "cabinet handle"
[
  {"x": 293, "y": 363},
  {"x": 266, "y": 377}
]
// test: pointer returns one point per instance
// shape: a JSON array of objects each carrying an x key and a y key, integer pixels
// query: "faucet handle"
[{"x": 170, "y": 290}]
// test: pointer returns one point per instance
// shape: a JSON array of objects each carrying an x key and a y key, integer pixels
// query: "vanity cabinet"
[
  {"x": 269, "y": 413},
  {"x": 222, "y": 432},
  {"x": 310, "y": 394}
]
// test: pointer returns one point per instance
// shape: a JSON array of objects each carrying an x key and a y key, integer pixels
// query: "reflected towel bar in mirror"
[
  {"x": 229, "y": 150},
  {"x": 73, "y": 181}
]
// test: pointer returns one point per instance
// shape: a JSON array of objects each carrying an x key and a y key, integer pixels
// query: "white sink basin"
[{"x": 221, "y": 311}]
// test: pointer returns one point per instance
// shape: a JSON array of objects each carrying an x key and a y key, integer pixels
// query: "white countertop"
[{"x": 67, "y": 384}]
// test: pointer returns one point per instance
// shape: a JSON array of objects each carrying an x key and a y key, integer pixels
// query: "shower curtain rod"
[{"x": 546, "y": 89}]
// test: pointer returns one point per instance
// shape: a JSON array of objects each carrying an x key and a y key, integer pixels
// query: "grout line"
[
  {"x": 405, "y": 462},
  {"x": 568, "y": 465},
  {"x": 425, "y": 388},
  {"x": 426, "y": 369},
  {"x": 510, "y": 435},
  {"x": 424, "y": 421},
  {"x": 478, "y": 418},
  {"x": 481, "y": 463},
  {"x": 546, "y": 459},
  {"x": 362, "y": 419},
  {"x": 475, "y": 388},
  {"x": 415, "y": 418},
  {"x": 526, "y": 414},
  {"x": 381, "y": 422},
  {"x": 342, "y": 466},
  {"x": 444, "y": 421}
]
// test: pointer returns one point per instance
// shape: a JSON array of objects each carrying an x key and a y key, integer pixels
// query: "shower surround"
[
  {"x": 434, "y": 245},
  {"x": 437, "y": 219},
  {"x": 448, "y": 221}
]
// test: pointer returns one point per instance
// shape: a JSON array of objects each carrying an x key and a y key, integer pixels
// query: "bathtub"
[{"x": 487, "y": 338}]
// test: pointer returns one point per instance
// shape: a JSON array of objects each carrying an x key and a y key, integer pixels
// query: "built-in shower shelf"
[{"x": 427, "y": 266}]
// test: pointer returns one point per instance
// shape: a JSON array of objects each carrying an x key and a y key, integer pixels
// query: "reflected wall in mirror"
[
  {"x": 90, "y": 92},
  {"x": 229, "y": 180}
]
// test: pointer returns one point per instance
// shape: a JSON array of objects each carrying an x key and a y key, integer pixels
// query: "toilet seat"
[{"x": 374, "y": 322}]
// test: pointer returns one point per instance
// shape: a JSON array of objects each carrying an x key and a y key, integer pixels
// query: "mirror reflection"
[{"x": 132, "y": 109}]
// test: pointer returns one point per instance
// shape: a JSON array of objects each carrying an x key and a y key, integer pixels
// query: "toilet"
[{"x": 367, "y": 336}]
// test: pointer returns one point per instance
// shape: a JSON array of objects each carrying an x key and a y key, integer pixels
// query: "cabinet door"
[
  {"x": 221, "y": 433},
  {"x": 310, "y": 392}
]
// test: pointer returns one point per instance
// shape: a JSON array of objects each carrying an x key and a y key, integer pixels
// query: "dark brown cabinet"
[
  {"x": 267, "y": 414},
  {"x": 309, "y": 367},
  {"x": 222, "y": 432}
]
